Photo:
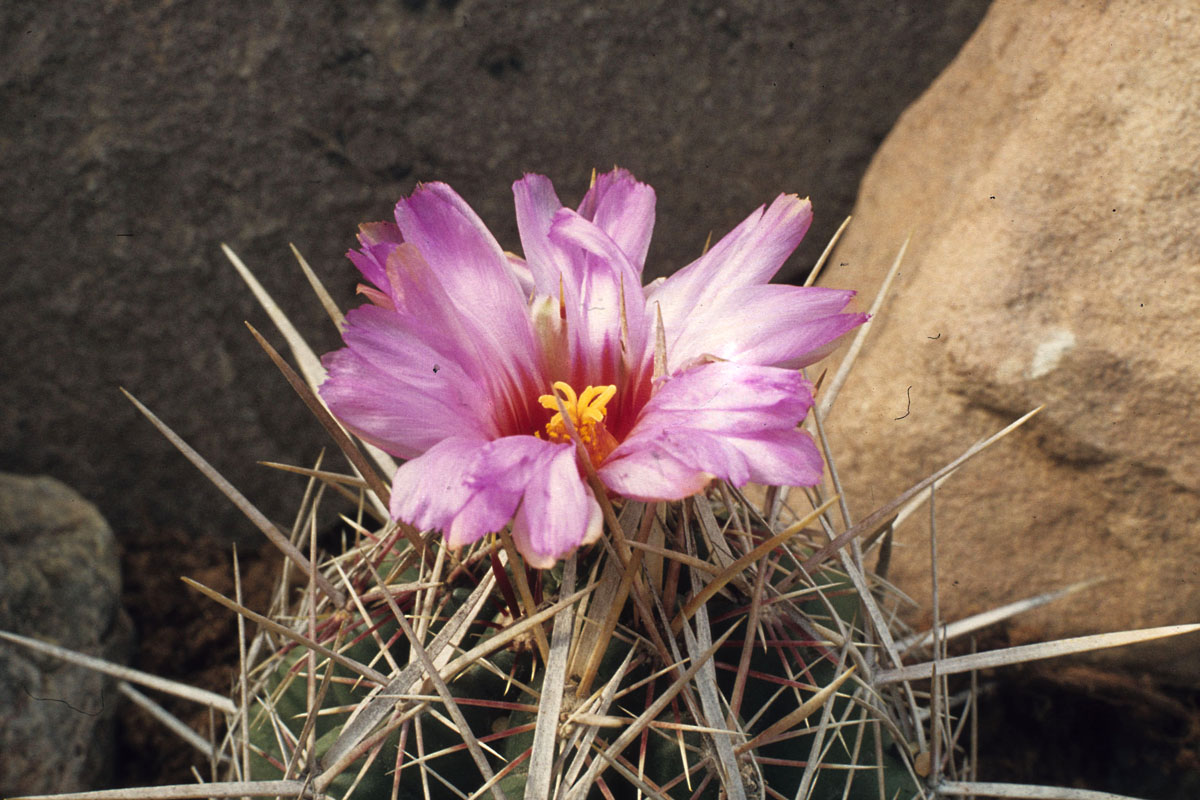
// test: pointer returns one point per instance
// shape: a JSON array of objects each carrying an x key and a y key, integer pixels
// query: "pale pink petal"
[
  {"x": 469, "y": 265},
  {"x": 520, "y": 270},
  {"x": 536, "y": 204},
  {"x": 623, "y": 208},
  {"x": 395, "y": 389},
  {"x": 504, "y": 365},
  {"x": 783, "y": 458},
  {"x": 749, "y": 254},
  {"x": 575, "y": 263},
  {"x": 608, "y": 314},
  {"x": 428, "y": 492},
  {"x": 716, "y": 420},
  {"x": 377, "y": 240},
  {"x": 558, "y": 512},
  {"x": 469, "y": 487},
  {"x": 729, "y": 397},
  {"x": 432, "y": 349},
  {"x": 651, "y": 470},
  {"x": 771, "y": 325}
]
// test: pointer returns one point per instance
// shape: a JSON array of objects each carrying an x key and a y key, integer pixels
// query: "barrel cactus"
[{"x": 614, "y": 561}]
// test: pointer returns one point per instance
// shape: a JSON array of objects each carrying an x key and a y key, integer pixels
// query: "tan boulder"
[{"x": 1051, "y": 180}]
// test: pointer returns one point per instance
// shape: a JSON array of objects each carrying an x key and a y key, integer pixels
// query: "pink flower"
[{"x": 467, "y": 357}]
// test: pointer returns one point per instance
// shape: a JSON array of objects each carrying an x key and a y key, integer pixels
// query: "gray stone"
[
  {"x": 137, "y": 137},
  {"x": 59, "y": 582}
]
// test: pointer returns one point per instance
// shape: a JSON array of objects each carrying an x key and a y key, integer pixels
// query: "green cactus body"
[{"x": 499, "y": 699}]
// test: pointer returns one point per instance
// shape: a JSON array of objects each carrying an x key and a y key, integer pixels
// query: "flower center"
[{"x": 586, "y": 412}]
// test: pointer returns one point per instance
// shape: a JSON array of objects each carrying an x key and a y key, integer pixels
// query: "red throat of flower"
[{"x": 586, "y": 412}]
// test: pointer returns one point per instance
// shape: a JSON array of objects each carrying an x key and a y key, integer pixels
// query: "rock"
[
  {"x": 59, "y": 582},
  {"x": 140, "y": 136},
  {"x": 1051, "y": 182}
]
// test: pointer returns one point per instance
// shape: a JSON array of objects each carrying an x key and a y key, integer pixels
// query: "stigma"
[{"x": 586, "y": 412}]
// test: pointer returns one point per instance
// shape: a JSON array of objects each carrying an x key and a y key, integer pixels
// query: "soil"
[
  {"x": 1084, "y": 728},
  {"x": 1076, "y": 726},
  {"x": 185, "y": 637}
]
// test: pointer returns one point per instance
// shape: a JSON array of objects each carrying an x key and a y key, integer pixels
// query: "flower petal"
[
  {"x": 727, "y": 420},
  {"x": 537, "y": 204},
  {"x": 429, "y": 491},
  {"x": 377, "y": 240},
  {"x": 622, "y": 207},
  {"x": 606, "y": 312},
  {"x": 771, "y": 325},
  {"x": 467, "y": 262},
  {"x": 429, "y": 349},
  {"x": 749, "y": 254},
  {"x": 558, "y": 512},
  {"x": 396, "y": 389},
  {"x": 470, "y": 487}
]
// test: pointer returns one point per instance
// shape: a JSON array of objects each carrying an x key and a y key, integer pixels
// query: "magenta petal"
[
  {"x": 727, "y": 420},
  {"x": 623, "y": 208}
]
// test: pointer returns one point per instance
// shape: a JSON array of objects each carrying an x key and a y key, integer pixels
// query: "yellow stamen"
[{"x": 586, "y": 412}]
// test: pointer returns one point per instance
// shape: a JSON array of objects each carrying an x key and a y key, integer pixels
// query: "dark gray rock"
[
  {"x": 60, "y": 582},
  {"x": 139, "y": 136}
]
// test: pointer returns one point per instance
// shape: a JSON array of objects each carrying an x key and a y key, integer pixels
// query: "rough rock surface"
[
  {"x": 137, "y": 137},
  {"x": 60, "y": 582},
  {"x": 1051, "y": 179}
]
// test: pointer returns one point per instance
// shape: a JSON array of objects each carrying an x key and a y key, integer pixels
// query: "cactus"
[
  {"x": 749, "y": 715},
  {"x": 737, "y": 643}
]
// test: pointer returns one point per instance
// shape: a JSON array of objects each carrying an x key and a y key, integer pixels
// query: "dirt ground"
[
  {"x": 1083, "y": 729},
  {"x": 182, "y": 636}
]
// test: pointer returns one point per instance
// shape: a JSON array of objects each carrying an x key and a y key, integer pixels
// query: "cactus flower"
[{"x": 508, "y": 382}]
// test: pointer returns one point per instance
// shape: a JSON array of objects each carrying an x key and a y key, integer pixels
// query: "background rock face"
[
  {"x": 60, "y": 581},
  {"x": 1051, "y": 178},
  {"x": 139, "y": 136}
]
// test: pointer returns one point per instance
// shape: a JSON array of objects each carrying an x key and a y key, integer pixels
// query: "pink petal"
[
  {"x": 536, "y": 205},
  {"x": 521, "y": 272},
  {"x": 377, "y": 240},
  {"x": 651, "y": 471},
  {"x": 772, "y": 325},
  {"x": 429, "y": 491},
  {"x": 623, "y": 208},
  {"x": 557, "y": 515},
  {"x": 730, "y": 397},
  {"x": 727, "y": 420},
  {"x": 606, "y": 305},
  {"x": 467, "y": 262},
  {"x": 393, "y": 387},
  {"x": 469, "y": 487},
  {"x": 749, "y": 254},
  {"x": 501, "y": 359}
]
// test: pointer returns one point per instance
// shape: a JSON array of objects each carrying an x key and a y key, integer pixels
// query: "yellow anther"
[{"x": 586, "y": 412}]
